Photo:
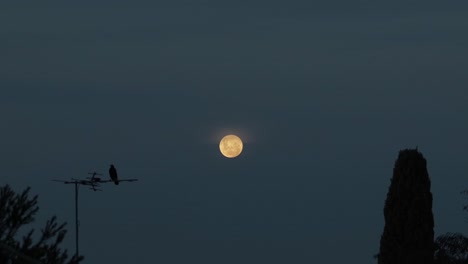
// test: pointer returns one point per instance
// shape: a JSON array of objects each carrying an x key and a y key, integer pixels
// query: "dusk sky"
[{"x": 323, "y": 94}]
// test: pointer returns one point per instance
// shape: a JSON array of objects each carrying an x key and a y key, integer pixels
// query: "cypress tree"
[{"x": 408, "y": 235}]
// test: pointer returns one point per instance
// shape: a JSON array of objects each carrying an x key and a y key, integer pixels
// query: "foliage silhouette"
[
  {"x": 408, "y": 235},
  {"x": 18, "y": 210},
  {"x": 451, "y": 248}
]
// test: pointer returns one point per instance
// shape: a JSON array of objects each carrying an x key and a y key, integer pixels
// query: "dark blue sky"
[{"x": 323, "y": 94}]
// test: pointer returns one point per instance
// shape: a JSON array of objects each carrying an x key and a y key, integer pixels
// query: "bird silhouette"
[{"x": 113, "y": 174}]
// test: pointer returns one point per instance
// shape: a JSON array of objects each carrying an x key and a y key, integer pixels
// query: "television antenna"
[{"x": 94, "y": 184}]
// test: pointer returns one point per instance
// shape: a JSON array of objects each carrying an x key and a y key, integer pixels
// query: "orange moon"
[{"x": 231, "y": 146}]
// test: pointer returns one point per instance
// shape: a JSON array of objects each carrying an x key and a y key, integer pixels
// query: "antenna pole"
[{"x": 76, "y": 219}]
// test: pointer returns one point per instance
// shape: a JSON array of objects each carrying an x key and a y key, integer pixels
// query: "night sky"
[{"x": 324, "y": 95}]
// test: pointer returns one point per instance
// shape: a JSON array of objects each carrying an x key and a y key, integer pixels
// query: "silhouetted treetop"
[
  {"x": 18, "y": 210},
  {"x": 408, "y": 236},
  {"x": 451, "y": 248}
]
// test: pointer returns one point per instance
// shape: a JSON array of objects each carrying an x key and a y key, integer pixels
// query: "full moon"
[{"x": 231, "y": 146}]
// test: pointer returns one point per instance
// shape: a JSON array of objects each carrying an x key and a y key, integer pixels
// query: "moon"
[{"x": 230, "y": 146}]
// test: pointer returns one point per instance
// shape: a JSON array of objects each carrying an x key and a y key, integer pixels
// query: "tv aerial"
[{"x": 94, "y": 183}]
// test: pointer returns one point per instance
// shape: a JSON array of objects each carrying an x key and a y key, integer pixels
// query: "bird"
[{"x": 113, "y": 174}]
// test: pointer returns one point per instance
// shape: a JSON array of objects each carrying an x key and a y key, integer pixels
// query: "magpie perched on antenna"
[{"x": 113, "y": 174}]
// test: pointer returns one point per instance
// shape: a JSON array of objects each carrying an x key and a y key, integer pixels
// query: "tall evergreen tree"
[{"x": 408, "y": 236}]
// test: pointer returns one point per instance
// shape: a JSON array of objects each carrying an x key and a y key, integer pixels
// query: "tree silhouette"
[
  {"x": 408, "y": 235},
  {"x": 465, "y": 207},
  {"x": 18, "y": 210},
  {"x": 451, "y": 248}
]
